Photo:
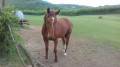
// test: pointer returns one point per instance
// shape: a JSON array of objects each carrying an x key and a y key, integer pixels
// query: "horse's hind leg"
[
  {"x": 67, "y": 42},
  {"x": 64, "y": 46}
]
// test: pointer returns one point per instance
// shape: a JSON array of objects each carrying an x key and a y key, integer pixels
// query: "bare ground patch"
[{"x": 81, "y": 52}]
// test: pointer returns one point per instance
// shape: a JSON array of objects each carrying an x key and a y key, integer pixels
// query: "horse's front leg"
[
  {"x": 46, "y": 47},
  {"x": 55, "y": 49}
]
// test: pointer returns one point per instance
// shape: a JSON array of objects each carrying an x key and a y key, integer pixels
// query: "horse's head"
[{"x": 50, "y": 20}]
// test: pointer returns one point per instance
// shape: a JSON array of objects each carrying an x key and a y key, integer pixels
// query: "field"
[
  {"x": 94, "y": 42},
  {"x": 103, "y": 31}
]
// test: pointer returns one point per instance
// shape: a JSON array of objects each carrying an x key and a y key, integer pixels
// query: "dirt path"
[{"x": 81, "y": 52}]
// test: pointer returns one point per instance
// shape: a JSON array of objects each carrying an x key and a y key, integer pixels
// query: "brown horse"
[
  {"x": 100, "y": 17},
  {"x": 54, "y": 28}
]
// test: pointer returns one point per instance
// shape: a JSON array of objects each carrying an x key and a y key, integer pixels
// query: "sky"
[{"x": 94, "y": 3}]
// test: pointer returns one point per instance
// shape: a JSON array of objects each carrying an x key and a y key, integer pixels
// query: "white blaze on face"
[{"x": 53, "y": 20}]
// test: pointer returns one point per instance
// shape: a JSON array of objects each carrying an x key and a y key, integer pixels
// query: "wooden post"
[
  {"x": 23, "y": 50},
  {"x": 27, "y": 55},
  {"x": 0, "y": 6},
  {"x": 3, "y": 3},
  {"x": 16, "y": 46}
]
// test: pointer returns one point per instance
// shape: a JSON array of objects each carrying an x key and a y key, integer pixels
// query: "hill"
[
  {"x": 72, "y": 6},
  {"x": 40, "y": 5}
]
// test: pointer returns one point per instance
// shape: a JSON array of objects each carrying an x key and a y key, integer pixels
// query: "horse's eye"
[{"x": 48, "y": 21}]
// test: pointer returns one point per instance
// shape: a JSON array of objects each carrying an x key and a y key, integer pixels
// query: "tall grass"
[{"x": 104, "y": 31}]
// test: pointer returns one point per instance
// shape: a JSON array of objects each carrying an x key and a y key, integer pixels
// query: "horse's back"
[
  {"x": 64, "y": 24},
  {"x": 65, "y": 21}
]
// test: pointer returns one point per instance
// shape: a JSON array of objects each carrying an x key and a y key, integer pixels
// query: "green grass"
[
  {"x": 34, "y": 20},
  {"x": 104, "y": 31}
]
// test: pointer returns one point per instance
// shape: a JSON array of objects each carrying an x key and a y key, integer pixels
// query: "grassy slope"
[{"x": 104, "y": 31}]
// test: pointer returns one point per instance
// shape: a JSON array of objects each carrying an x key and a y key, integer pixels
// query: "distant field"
[{"x": 103, "y": 31}]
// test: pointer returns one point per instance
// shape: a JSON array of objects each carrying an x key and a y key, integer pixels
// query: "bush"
[
  {"x": 32, "y": 12},
  {"x": 7, "y": 47},
  {"x": 5, "y": 38}
]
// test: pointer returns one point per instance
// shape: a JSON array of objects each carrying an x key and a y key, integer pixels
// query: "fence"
[
  {"x": 17, "y": 46},
  {"x": 0, "y": 6}
]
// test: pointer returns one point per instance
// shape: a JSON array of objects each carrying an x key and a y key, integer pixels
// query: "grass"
[
  {"x": 104, "y": 31},
  {"x": 34, "y": 19}
]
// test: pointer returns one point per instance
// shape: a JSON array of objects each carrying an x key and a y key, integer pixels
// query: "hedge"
[
  {"x": 85, "y": 11},
  {"x": 6, "y": 17}
]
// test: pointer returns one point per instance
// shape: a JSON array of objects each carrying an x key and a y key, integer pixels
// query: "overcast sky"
[{"x": 93, "y": 3}]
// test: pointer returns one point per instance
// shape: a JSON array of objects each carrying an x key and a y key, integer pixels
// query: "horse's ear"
[
  {"x": 48, "y": 10},
  {"x": 58, "y": 12}
]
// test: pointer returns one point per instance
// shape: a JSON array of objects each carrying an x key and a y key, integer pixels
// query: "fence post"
[
  {"x": 27, "y": 55},
  {"x": 16, "y": 46},
  {"x": 3, "y": 3},
  {"x": 0, "y": 6}
]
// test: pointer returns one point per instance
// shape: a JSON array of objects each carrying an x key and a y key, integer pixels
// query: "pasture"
[
  {"x": 104, "y": 31},
  {"x": 94, "y": 42}
]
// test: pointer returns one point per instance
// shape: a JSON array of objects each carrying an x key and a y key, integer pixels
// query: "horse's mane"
[{"x": 45, "y": 16}]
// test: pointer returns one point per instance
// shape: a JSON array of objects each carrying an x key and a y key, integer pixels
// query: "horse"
[
  {"x": 54, "y": 28},
  {"x": 100, "y": 17}
]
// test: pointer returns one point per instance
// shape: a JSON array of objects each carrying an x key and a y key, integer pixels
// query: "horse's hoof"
[
  {"x": 65, "y": 54},
  {"x": 55, "y": 60}
]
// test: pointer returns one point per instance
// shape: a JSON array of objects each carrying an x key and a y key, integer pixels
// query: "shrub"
[
  {"x": 32, "y": 12},
  {"x": 6, "y": 43}
]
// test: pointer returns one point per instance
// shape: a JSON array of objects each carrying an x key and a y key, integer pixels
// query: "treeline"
[
  {"x": 90, "y": 11},
  {"x": 33, "y": 12},
  {"x": 40, "y": 5},
  {"x": 85, "y": 11}
]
